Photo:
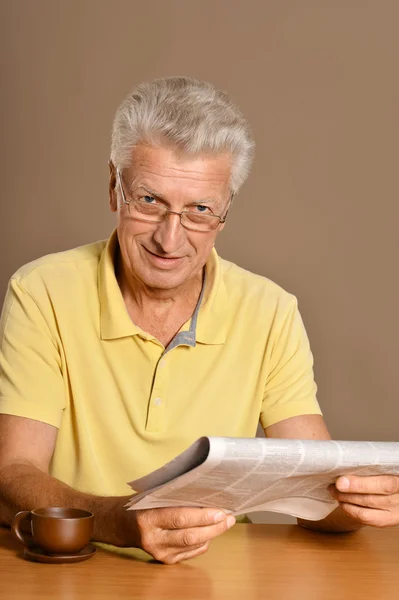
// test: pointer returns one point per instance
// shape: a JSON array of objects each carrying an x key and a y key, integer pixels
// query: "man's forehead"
[
  {"x": 166, "y": 161},
  {"x": 163, "y": 170}
]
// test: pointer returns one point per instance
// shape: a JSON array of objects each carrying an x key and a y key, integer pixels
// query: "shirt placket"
[{"x": 157, "y": 406}]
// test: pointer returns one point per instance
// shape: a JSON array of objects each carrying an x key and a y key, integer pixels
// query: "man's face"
[{"x": 166, "y": 256}]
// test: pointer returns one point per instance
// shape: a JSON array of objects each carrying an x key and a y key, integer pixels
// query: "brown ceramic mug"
[{"x": 55, "y": 530}]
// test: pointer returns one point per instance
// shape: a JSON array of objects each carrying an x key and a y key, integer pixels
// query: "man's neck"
[
  {"x": 138, "y": 293},
  {"x": 159, "y": 312}
]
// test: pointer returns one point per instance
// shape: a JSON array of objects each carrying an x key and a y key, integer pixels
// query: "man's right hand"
[{"x": 171, "y": 535}]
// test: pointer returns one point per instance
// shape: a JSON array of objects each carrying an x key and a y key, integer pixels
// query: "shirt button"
[
  {"x": 157, "y": 401},
  {"x": 162, "y": 363}
]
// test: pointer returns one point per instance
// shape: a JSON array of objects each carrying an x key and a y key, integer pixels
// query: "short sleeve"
[
  {"x": 31, "y": 381},
  {"x": 290, "y": 389}
]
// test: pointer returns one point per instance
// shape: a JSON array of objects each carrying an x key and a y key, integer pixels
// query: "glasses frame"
[{"x": 173, "y": 212}]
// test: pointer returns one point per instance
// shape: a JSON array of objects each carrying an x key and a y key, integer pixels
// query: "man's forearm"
[
  {"x": 25, "y": 487},
  {"x": 336, "y": 522}
]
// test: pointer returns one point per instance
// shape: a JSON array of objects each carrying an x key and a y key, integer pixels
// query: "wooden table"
[{"x": 248, "y": 562}]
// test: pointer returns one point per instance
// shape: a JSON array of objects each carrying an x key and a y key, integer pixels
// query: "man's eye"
[
  {"x": 201, "y": 208},
  {"x": 148, "y": 199}
]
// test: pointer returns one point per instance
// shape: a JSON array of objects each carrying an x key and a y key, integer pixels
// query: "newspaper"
[{"x": 241, "y": 475}]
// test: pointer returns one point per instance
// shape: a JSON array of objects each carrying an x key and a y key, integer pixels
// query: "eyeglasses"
[{"x": 156, "y": 213}]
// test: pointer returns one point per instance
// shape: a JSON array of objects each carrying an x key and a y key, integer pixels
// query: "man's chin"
[{"x": 164, "y": 281}]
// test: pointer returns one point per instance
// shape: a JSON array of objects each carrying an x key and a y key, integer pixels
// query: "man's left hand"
[{"x": 370, "y": 500}]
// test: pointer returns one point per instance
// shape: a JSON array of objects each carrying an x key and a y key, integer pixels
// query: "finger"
[
  {"x": 369, "y": 516},
  {"x": 197, "y": 551},
  {"x": 194, "y": 536},
  {"x": 378, "y": 501},
  {"x": 185, "y": 517},
  {"x": 193, "y": 553},
  {"x": 377, "y": 484}
]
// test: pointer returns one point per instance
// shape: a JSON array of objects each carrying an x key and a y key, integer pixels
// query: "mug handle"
[{"x": 16, "y": 526}]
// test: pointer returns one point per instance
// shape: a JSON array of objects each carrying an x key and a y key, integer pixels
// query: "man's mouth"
[
  {"x": 163, "y": 260},
  {"x": 163, "y": 256}
]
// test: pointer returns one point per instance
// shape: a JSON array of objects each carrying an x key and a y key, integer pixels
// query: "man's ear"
[{"x": 113, "y": 201}]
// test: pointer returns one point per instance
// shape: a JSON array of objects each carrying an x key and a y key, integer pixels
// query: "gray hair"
[{"x": 190, "y": 114}]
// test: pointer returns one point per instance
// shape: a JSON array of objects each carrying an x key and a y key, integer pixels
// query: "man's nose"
[{"x": 170, "y": 234}]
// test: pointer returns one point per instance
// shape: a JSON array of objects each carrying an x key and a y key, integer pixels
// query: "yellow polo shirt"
[{"x": 70, "y": 356}]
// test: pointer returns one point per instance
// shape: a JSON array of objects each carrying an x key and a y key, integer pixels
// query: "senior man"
[{"x": 117, "y": 355}]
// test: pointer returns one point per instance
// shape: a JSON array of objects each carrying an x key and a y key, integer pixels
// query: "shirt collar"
[
  {"x": 212, "y": 322},
  {"x": 115, "y": 321}
]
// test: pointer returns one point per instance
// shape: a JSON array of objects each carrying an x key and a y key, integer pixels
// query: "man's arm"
[
  {"x": 313, "y": 427},
  {"x": 168, "y": 534},
  {"x": 26, "y": 448},
  {"x": 305, "y": 427}
]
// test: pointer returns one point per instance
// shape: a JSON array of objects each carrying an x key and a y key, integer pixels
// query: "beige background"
[{"x": 318, "y": 80}]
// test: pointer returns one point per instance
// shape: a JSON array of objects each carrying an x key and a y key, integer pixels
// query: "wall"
[{"x": 319, "y": 215}]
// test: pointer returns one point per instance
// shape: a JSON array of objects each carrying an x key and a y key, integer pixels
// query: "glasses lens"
[
  {"x": 199, "y": 222},
  {"x": 149, "y": 212},
  {"x": 154, "y": 213}
]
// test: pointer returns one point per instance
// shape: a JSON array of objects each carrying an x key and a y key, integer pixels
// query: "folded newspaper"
[{"x": 241, "y": 475}]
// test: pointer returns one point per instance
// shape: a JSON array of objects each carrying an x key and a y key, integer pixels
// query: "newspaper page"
[{"x": 241, "y": 475}]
